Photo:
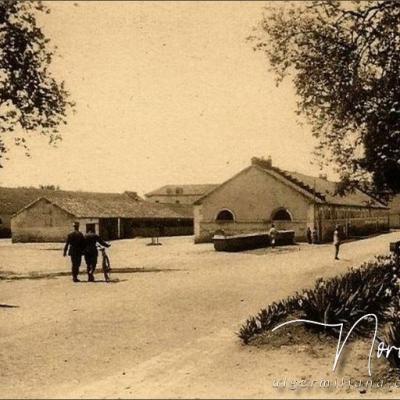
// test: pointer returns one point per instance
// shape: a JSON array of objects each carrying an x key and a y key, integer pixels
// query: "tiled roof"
[
  {"x": 104, "y": 205},
  {"x": 322, "y": 190},
  {"x": 184, "y": 210},
  {"x": 13, "y": 199},
  {"x": 112, "y": 206},
  {"x": 325, "y": 190},
  {"x": 328, "y": 188},
  {"x": 188, "y": 190}
]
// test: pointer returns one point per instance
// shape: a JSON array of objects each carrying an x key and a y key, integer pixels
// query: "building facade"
[
  {"x": 179, "y": 194},
  {"x": 111, "y": 215},
  {"x": 12, "y": 200},
  {"x": 261, "y": 195}
]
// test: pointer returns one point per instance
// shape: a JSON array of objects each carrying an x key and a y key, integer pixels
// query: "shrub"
[
  {"x": 268, "y": 318},
  {"x": 391, "y": 337},
  {"x": 369, "y": 289}
]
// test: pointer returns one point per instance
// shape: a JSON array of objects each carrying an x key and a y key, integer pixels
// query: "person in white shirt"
[
  {"x": 336, "y": 241},
  {"x": 272, "y": 234}
]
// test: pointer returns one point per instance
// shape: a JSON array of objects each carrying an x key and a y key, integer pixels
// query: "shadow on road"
[{"x": 10, "y": 276}]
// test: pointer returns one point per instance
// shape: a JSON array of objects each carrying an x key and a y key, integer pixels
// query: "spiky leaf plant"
[{"x": 369, "y": 289}]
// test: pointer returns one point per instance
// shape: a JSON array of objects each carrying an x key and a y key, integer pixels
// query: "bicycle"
[{"x": 105, "y": 263}]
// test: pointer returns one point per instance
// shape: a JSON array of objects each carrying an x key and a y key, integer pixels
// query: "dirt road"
[{"x": 165, "y": 327}]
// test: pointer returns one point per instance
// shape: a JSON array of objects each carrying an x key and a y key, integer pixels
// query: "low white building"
[{"x": 262, "y": 194}]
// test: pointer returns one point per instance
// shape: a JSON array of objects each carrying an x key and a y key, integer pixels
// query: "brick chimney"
[
  {"x": 132, "y": 195},
  {"x": 262, "y": 162}
]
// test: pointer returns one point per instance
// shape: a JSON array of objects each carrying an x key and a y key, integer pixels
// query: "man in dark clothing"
[
  {"x": 314, "y": 236},
  {"x": 75, "y": 242},
  {"x": 91, "y": 252},
  {"x": 309, "y": 236}
]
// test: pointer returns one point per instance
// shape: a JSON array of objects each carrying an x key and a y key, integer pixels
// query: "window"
[
  {"x": 177, "y": 202},
  {"x": 179, "y": 190},
  {"x": 1, "y": 221},
  {"x": 225, "y": 216},
  {"x": 91, "y": 228},
  {"x": 281, "y": 215}
]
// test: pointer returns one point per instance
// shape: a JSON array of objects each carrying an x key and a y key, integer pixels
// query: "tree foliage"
[
  {"x": 344, "y": 58},
  {"x": 31, "y": 99},
  {"x": 49, "y": 187}
]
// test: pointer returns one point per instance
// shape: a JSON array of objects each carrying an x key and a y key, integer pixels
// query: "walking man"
[
  {"x": 336, "y": 241},
  {"x": 91, "y": 252},
  {"x": 74, "y": 248},
  {"x": 272, "y": 234}
]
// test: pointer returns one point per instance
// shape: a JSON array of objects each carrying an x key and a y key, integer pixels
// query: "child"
[{"x": 272, "y": 234}]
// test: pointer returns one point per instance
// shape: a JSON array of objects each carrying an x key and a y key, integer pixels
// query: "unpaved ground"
[{"x": 166, "y": 327}]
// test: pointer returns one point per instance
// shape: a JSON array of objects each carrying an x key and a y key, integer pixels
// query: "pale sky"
[{"x": 166, "y": 93}]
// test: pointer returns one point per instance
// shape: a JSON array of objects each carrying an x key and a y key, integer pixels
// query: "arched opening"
[
  {"x": 281, "y": 214},
  {"x": 225, "y": 216}
]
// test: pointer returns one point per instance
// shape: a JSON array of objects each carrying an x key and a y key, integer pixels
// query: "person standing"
[
  {"x": 74, "y": 248},
  {"x": 91, "y": 253},
  {"x": 272, "y": 234},
  {"x": 314, "y": 236},
  {"x": 308, "y": 234},
  {"x": 336, "y": 241}
]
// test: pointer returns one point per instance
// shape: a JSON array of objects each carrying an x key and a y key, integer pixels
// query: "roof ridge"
[
  {"x": 373, "y": 197},
  {"x": 50, "y": 191},
  {"x": 296, "y": 181}
]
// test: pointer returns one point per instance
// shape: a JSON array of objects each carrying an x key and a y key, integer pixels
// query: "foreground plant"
[{"x": 370, "y": 289}]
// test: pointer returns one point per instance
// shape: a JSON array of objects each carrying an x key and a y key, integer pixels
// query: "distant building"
[
  {"x": 394, "y": 205},
  {"x": 14, "y": 199},
  {"x": 262, "y": 194},
  {"x": 179, "y": 194},
  {"x": 112, "y": 215}
]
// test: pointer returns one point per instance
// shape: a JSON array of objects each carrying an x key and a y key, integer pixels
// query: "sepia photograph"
[{"x": 199, "y": 199}]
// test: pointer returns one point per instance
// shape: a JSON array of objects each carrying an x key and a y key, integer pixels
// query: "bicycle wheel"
[{"x": 106, "y": 268}]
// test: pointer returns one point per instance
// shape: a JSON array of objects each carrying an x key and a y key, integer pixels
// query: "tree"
[
  {"x": 31, "y": 100},
  {"x": 49, "y": 187},
  {"x": 344, "y": 58}
]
